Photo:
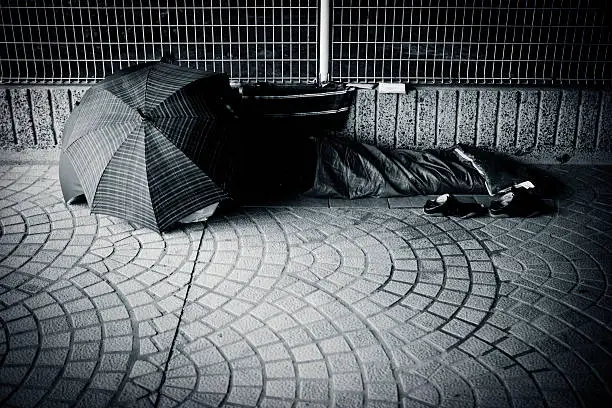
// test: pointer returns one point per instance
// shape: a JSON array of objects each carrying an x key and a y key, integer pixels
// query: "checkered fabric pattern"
[{"x": 146, "y": 144}]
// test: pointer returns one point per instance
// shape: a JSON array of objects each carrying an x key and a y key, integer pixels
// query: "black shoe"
[
  {"x": 518, "y": 201},
  {"x": 448, "y": 205}
]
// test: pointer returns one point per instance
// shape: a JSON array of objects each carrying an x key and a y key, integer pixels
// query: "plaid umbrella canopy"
[{"x": 148, "y": 144}]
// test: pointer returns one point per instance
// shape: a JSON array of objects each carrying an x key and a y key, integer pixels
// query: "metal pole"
[{"x": 324, "y": 25}]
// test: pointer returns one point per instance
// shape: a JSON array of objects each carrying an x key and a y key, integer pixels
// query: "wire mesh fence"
[
  {"x": 418, "y": 41},
  {"x": 483, "y": 41},
  {"x": 85, "y": 40}
]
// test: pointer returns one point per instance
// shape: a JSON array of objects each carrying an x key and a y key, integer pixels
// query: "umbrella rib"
[
  {"x": 165, "y": 137},
  {"x": 106, "y": 167},
  {"x": 147, "y": 171},
  {"x": 180, "y": 152},
  {"x": 186, "y": 155},
  {"x": 80, "y": 140},
  {"x": 174, "y": 92},
  {"x": 147, "y": 87},
  {"x": 119, "y": 99},
  {"x": 72, "y": 120},
  {"x": 94, "y": 130},
  {"x": 153, "y": 108},
  {"x": 110, "y": 124}
]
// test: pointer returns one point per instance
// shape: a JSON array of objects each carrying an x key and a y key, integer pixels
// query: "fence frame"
[{"x": 83, "y": 48}]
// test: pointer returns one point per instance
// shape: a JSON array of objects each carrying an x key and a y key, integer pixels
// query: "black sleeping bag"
[{"x": 352, "y": 169}]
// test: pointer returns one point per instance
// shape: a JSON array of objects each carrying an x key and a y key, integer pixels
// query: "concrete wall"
[
  {"x": 33, "y": 117},
  {"x": 544, "y": 124},
  {"x": 540, "y": 124}
]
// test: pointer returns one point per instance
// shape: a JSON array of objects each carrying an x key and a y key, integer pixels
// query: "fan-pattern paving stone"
[{"x": 305, "y": 306}]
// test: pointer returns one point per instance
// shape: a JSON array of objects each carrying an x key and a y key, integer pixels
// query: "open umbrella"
[{"x": 149, "y": 144}]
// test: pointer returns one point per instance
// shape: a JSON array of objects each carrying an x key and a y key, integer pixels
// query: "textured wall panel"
[
  {"x": 42, "y": 115},
  {"x": 466, "y": 117},
  {"x": 7, "y": 136},
  {"x": 365, "y": 116},
  {"x": 426, "y": 118},
  {"x": 61, "y": 109},
  {"x": 586, "y": 135},
  {"x": 548, "y": 116},
  {"x": 568, "y": 118},
  {"x": 487, "y": 118},
  {"x": 604, "y": 134},
  {"x": 507, "y": 118},
  {"x": 406, "y": 119},
  {"x": 386, "y": 114},
  {"x": 527, "y": 120},
  {"x": 22, "y": 117},
  {"x": 447, "y": 117}
]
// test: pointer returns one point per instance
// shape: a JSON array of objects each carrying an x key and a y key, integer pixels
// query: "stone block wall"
[
  {"x": 541, "y": 124},
  {"x": 33, "y": 117}
]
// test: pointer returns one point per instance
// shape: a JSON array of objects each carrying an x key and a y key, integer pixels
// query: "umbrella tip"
[{"x": 142, "y": 114}]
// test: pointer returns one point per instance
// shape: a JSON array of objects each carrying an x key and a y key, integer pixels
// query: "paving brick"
[
  {"x": 280, "y": 389},
  {"x": 360, "y": 294},
  {"x": 313, "y": 390},
  {"x": 280, "y": 369},
  {"x": 306, "y": 353},
  {"x": 313, "y": 369},
  {"x": 273, "y": 352}
]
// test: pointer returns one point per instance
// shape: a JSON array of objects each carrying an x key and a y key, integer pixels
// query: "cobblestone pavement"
[{"x": 366, "y": 303}]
